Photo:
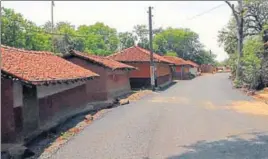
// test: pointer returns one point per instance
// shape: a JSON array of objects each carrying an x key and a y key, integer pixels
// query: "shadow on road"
[{"x": 234, "y": 147}]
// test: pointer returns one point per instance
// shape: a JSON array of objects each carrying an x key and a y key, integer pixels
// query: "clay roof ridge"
[
  {"x": 154, "y": 54},
  {"x": 121, "y": 51},
  {"x": 22, "y": 50},
  {"x": 99, "y": 58}
]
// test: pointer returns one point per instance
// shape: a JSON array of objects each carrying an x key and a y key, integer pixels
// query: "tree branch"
[{"x": 233, "y": 10}]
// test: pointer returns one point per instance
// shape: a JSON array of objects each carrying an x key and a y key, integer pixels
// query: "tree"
[
  {"x": 21, "y": 33},
  {"x": 99, "y": 38},
  {"x": 255, "y": 17},
  {"x": 251, "y": 63},
  {"x": 184, "y": 42},
  {"x": 12, "y": 28},
  {"x": 227, "y": 37},
  {"x": 239, "y": 24},
  {"x": 64, "y": 37},
  {"x": 127, "y": 39},
  {"x": 142, "y": 34}
]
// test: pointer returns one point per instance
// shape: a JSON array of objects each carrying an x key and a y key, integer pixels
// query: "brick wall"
[{"x": 7, "y": 114}]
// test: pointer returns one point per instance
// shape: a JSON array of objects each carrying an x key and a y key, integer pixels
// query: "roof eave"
[{"x": 46, "y": 82}]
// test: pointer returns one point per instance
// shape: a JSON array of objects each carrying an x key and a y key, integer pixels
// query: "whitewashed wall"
[
  {"x": 17, "y": 94},
  {"x": 43, "y": 91}
]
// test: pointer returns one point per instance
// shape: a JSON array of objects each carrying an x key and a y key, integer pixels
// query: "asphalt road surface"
[{"x": 186, "y": 121}]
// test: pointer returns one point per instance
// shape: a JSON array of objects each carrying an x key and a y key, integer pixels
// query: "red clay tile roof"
[
  {"x": 104, "y": 61},
  {"x": 176, "y": 60},
  {"x": 137, "y": 54},
  {"x": 40, "y": 67},
  {"x": 192, "y": 63}
]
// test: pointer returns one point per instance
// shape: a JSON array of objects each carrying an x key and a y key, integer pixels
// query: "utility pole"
[
  {"x": 52, "y": 25},
  {"x": 152, "y": 70}
]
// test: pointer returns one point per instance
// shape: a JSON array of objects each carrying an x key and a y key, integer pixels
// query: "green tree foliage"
[
  {"x": 19, "y": 32},
  {"x": 99, "y": 38},
  {"x": 171, "y": 54},
  {"x": 127, "y": 39},
  {"x": 254, "y": 61},
  {"x": 255, "y": 17},
  {"x": 251, "y": 63},
  {"x": 185, "y": 43}
]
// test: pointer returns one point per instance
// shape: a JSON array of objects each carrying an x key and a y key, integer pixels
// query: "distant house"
[
  {"x": 140, "y": 58},
  {"x": 207, "y": 68},
  {"x": 182, "y": 67},
  {"x": 114, "y": 76},
  {"x": 38, "y": 87}
]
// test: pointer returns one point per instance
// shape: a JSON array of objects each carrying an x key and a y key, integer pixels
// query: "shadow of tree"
[{"x": 234, "y": 147}]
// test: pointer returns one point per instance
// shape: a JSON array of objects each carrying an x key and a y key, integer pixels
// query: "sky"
[{"x": 123, "y": 15}]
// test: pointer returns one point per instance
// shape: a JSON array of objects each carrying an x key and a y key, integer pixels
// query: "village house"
[
  {"x": 37, "y": 88},
  {"x": 140, "y": 58},
  {"x": 114, "y": 76},
  {"x": 182, "y": 67},
  {"x": 207, "y": 68}
]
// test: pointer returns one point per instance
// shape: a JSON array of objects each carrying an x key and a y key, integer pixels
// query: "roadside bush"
[{"x": 251, "y": 63}]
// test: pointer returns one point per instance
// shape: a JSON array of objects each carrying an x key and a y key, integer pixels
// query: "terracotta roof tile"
[
  {"x": 192, "y": 63},
  {"x": 104, "y": 61},
  {"x": 137, "y": 54},
  {"x": 40, "y": 67},
  {"x": 176, "y": 60}
]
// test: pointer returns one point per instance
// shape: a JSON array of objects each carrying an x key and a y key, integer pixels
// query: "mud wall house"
[
  {"x": 37, "y": 88},
  {"x": 182, "y": 67},
  {"x": 114, "y": 76},
  {"x": 207, "y": 68},
  {"x": 140, "y": 58}
]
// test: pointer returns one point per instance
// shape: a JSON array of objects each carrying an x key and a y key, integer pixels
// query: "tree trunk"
[
  {"x": 240, "y": 39},
  {"x": 264, "y": 68},
  {"x": 239, "y": 23}
]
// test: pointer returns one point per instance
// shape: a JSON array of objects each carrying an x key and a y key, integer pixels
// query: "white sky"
[{"x": 123, "y": 15}]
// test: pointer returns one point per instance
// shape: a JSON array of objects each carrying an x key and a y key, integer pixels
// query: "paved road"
[{"x": 186, "y": 121}]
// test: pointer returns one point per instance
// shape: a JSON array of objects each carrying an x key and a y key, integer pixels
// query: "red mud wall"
[
  {"x": 96, "y": 88},
  {"x": 55, "y": 105},
  {"x": 118, "y": 83},
  {"x": 7, "y": 115}
]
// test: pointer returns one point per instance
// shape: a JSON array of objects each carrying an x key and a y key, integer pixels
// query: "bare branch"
[
  {"x": 229, "y": 4},
  {"x": 234, "y": 11}
]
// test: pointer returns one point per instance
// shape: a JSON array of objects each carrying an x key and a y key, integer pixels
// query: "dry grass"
[
  {"x": 138, "y": 94},
  {"x": 181, "y": 100},
  {"x": 250, "y": 107}
]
